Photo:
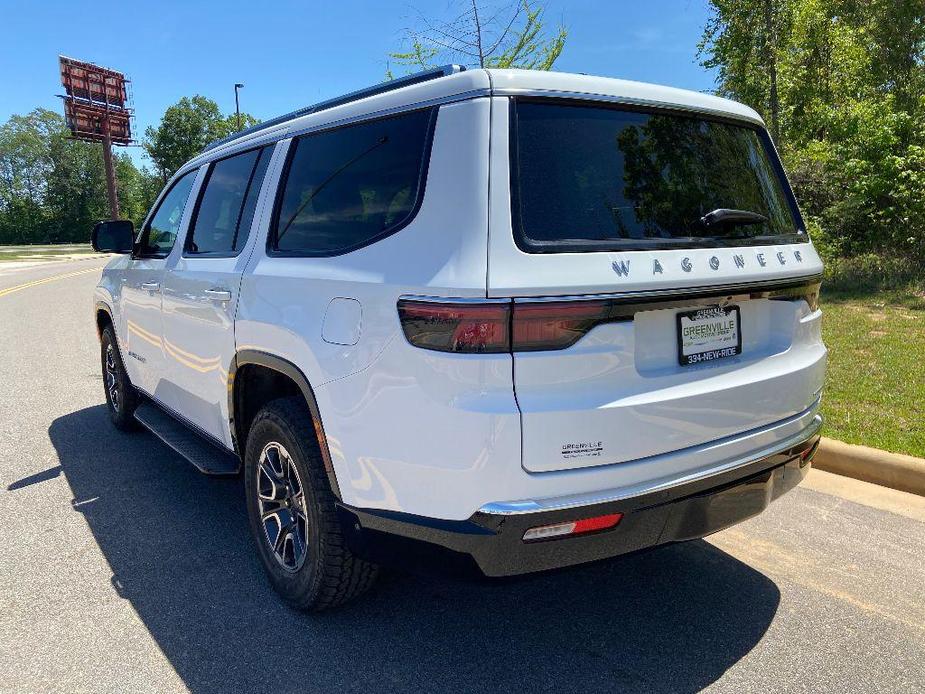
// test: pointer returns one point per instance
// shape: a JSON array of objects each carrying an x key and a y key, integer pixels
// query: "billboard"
[
  {"x": 87, "y": 123},
  {"x": 95, "y": 99}
]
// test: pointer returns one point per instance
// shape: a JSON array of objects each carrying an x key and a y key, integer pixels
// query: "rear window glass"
[
  {"x": 588, "y": 178},
  {"x": 349, "y": 187}
]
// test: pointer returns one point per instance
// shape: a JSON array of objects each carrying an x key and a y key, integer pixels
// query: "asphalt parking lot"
[{"x": 124, "y": 569}]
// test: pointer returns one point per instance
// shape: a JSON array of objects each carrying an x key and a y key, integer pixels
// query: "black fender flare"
[
  {"x": 294, "y": 373},
  {"x": 104, "y": 307}
]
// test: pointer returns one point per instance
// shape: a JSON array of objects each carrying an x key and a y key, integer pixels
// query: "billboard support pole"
[{"x": 110, "y": 172}]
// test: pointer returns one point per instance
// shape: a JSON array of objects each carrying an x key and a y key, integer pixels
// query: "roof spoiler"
[{"x": 380, "y": 88}]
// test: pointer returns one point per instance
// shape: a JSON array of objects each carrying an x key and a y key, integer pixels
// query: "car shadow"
[{"x": 673, "y": 619}]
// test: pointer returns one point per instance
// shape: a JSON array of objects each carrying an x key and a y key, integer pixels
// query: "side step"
[{"x": 206, "y": 456}]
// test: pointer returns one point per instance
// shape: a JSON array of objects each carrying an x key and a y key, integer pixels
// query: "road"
[{"x": 123, "y": 569}]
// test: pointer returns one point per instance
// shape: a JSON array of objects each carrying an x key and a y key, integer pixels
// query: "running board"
[{"x": 203, "y": 454}]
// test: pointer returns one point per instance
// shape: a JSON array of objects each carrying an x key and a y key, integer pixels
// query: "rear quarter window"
[{"x": 349, "y": 187}]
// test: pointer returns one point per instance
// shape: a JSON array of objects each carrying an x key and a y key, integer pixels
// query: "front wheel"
[
  {"x": 121, "y": 396},
  {"x": 292, "y": 512}
]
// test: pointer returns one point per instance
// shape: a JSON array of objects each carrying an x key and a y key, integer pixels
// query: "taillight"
[
  {"x": 555, "y": 324},
  {"x": 807, "y": 292},
  {"x": 482, "y": 327},
  {"x": 490, "y": 327}
]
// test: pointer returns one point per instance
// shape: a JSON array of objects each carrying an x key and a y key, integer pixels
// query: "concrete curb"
[{"x": 903, "y": 472}]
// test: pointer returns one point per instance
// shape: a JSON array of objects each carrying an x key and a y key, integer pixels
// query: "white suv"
[{"x": 493, "y": 320}]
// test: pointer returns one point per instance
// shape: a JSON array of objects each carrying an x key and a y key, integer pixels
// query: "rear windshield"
[{"x": 592, "y": 178}]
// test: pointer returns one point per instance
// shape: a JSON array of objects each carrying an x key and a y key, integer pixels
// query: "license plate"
[{"x": 708, "y": 334}]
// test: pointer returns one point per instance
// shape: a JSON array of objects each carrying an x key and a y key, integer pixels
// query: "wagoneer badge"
[{"x": 740, "y": 261}]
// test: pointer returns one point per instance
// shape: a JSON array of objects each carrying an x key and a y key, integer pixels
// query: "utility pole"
[{"x": 237, "y": 105}]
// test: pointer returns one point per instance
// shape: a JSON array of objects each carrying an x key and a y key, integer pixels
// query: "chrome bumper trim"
[{"x": 507, "y": 508}]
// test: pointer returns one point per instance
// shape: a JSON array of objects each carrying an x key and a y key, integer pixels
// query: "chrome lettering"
[{"x": 621, "y": 267}]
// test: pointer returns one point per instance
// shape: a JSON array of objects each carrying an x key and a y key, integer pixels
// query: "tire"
[
  {"x": 121, "y": 396},
  {"x": 281, "y": 458}
]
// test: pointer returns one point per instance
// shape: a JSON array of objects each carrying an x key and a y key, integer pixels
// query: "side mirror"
[{"x": 117, "y": 236}]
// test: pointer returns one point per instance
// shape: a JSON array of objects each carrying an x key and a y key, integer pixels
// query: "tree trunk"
[{"x": 771, "y": 55}]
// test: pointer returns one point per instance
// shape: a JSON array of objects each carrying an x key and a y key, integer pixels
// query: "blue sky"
[{"x": 289, "y": 54}]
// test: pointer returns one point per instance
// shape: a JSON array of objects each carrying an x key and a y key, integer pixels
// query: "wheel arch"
[
  {"x": 104, "y": 317},
  {"x": 241, "y": 412}
]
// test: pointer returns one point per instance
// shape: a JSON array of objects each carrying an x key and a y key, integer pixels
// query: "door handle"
[
  {"x": 218, "y": 294},
  {"x": 151, "y": 286}
]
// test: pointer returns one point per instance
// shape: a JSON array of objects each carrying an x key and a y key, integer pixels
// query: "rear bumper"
[{"x": 491, "y": 541}]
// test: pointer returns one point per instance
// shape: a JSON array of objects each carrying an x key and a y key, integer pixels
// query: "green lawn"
[
  {"x": 38, "y": 252},
  {"x": 875, "y": 390}
]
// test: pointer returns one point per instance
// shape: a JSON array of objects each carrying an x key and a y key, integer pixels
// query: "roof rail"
[{"x": 380, "y": 88}]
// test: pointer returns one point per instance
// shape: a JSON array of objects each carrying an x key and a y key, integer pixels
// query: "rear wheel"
[
  {"x": 292, "y": 512},
  {"x": 121, "y": 396}
]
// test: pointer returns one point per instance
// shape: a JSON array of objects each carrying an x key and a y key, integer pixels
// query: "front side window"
[
  {"x": 349, "y": 187},
  {"x": 158, "y": 236},
  {"x": 596, "y": 178},
  {"x": 226, "y": 206}
]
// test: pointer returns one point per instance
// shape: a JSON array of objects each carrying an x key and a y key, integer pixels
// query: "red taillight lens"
[
  {"x": 457, "y": 327},
  {"x": 489, "y": 327},
  {"x": 555, "y": 324}
]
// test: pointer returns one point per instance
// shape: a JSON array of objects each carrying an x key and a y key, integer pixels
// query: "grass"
[
  {"x": 874, "y": 327},
  {"x": 37, "y": 252}
]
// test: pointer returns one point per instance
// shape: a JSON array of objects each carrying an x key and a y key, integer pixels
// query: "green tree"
[
  {"x": 741, "y": 41},
  {"x": 842, "y": 85},
  {"x": 185, "y": 128},
  {"x": 52, "y": 187},
  {"x": 510, "y": 35},
  {"x": 25, "y": 162}
]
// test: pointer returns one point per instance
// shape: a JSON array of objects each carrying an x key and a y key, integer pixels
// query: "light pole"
[{"x": 237, "y": 105}]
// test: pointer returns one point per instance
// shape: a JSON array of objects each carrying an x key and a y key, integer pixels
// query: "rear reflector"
[
  {"x": 576, "y": 527},
  {"x": 807, "y": 455}
]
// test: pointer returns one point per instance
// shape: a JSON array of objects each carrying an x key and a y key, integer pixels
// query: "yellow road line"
[{"x": 26, "y": 285}]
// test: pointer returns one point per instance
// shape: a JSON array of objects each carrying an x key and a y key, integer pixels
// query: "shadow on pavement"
[{"x": 674, "y": 619}]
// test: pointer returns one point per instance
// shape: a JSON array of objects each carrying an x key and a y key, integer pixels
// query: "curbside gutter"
[{"x": 903, "y": 472}]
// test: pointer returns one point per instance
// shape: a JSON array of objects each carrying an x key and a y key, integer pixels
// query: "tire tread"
[{"x": 341, "y": 575}]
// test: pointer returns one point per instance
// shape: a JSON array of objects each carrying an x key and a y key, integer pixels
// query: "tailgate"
[{"x": 621, "y": 393}]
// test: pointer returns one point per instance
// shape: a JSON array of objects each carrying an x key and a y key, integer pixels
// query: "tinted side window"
[
  {"x": 159, "y": 235},
  {"x": 231, "y": 188},
  {"x": 250, "y": 202},
  {"x": 348, "y": 187}
]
